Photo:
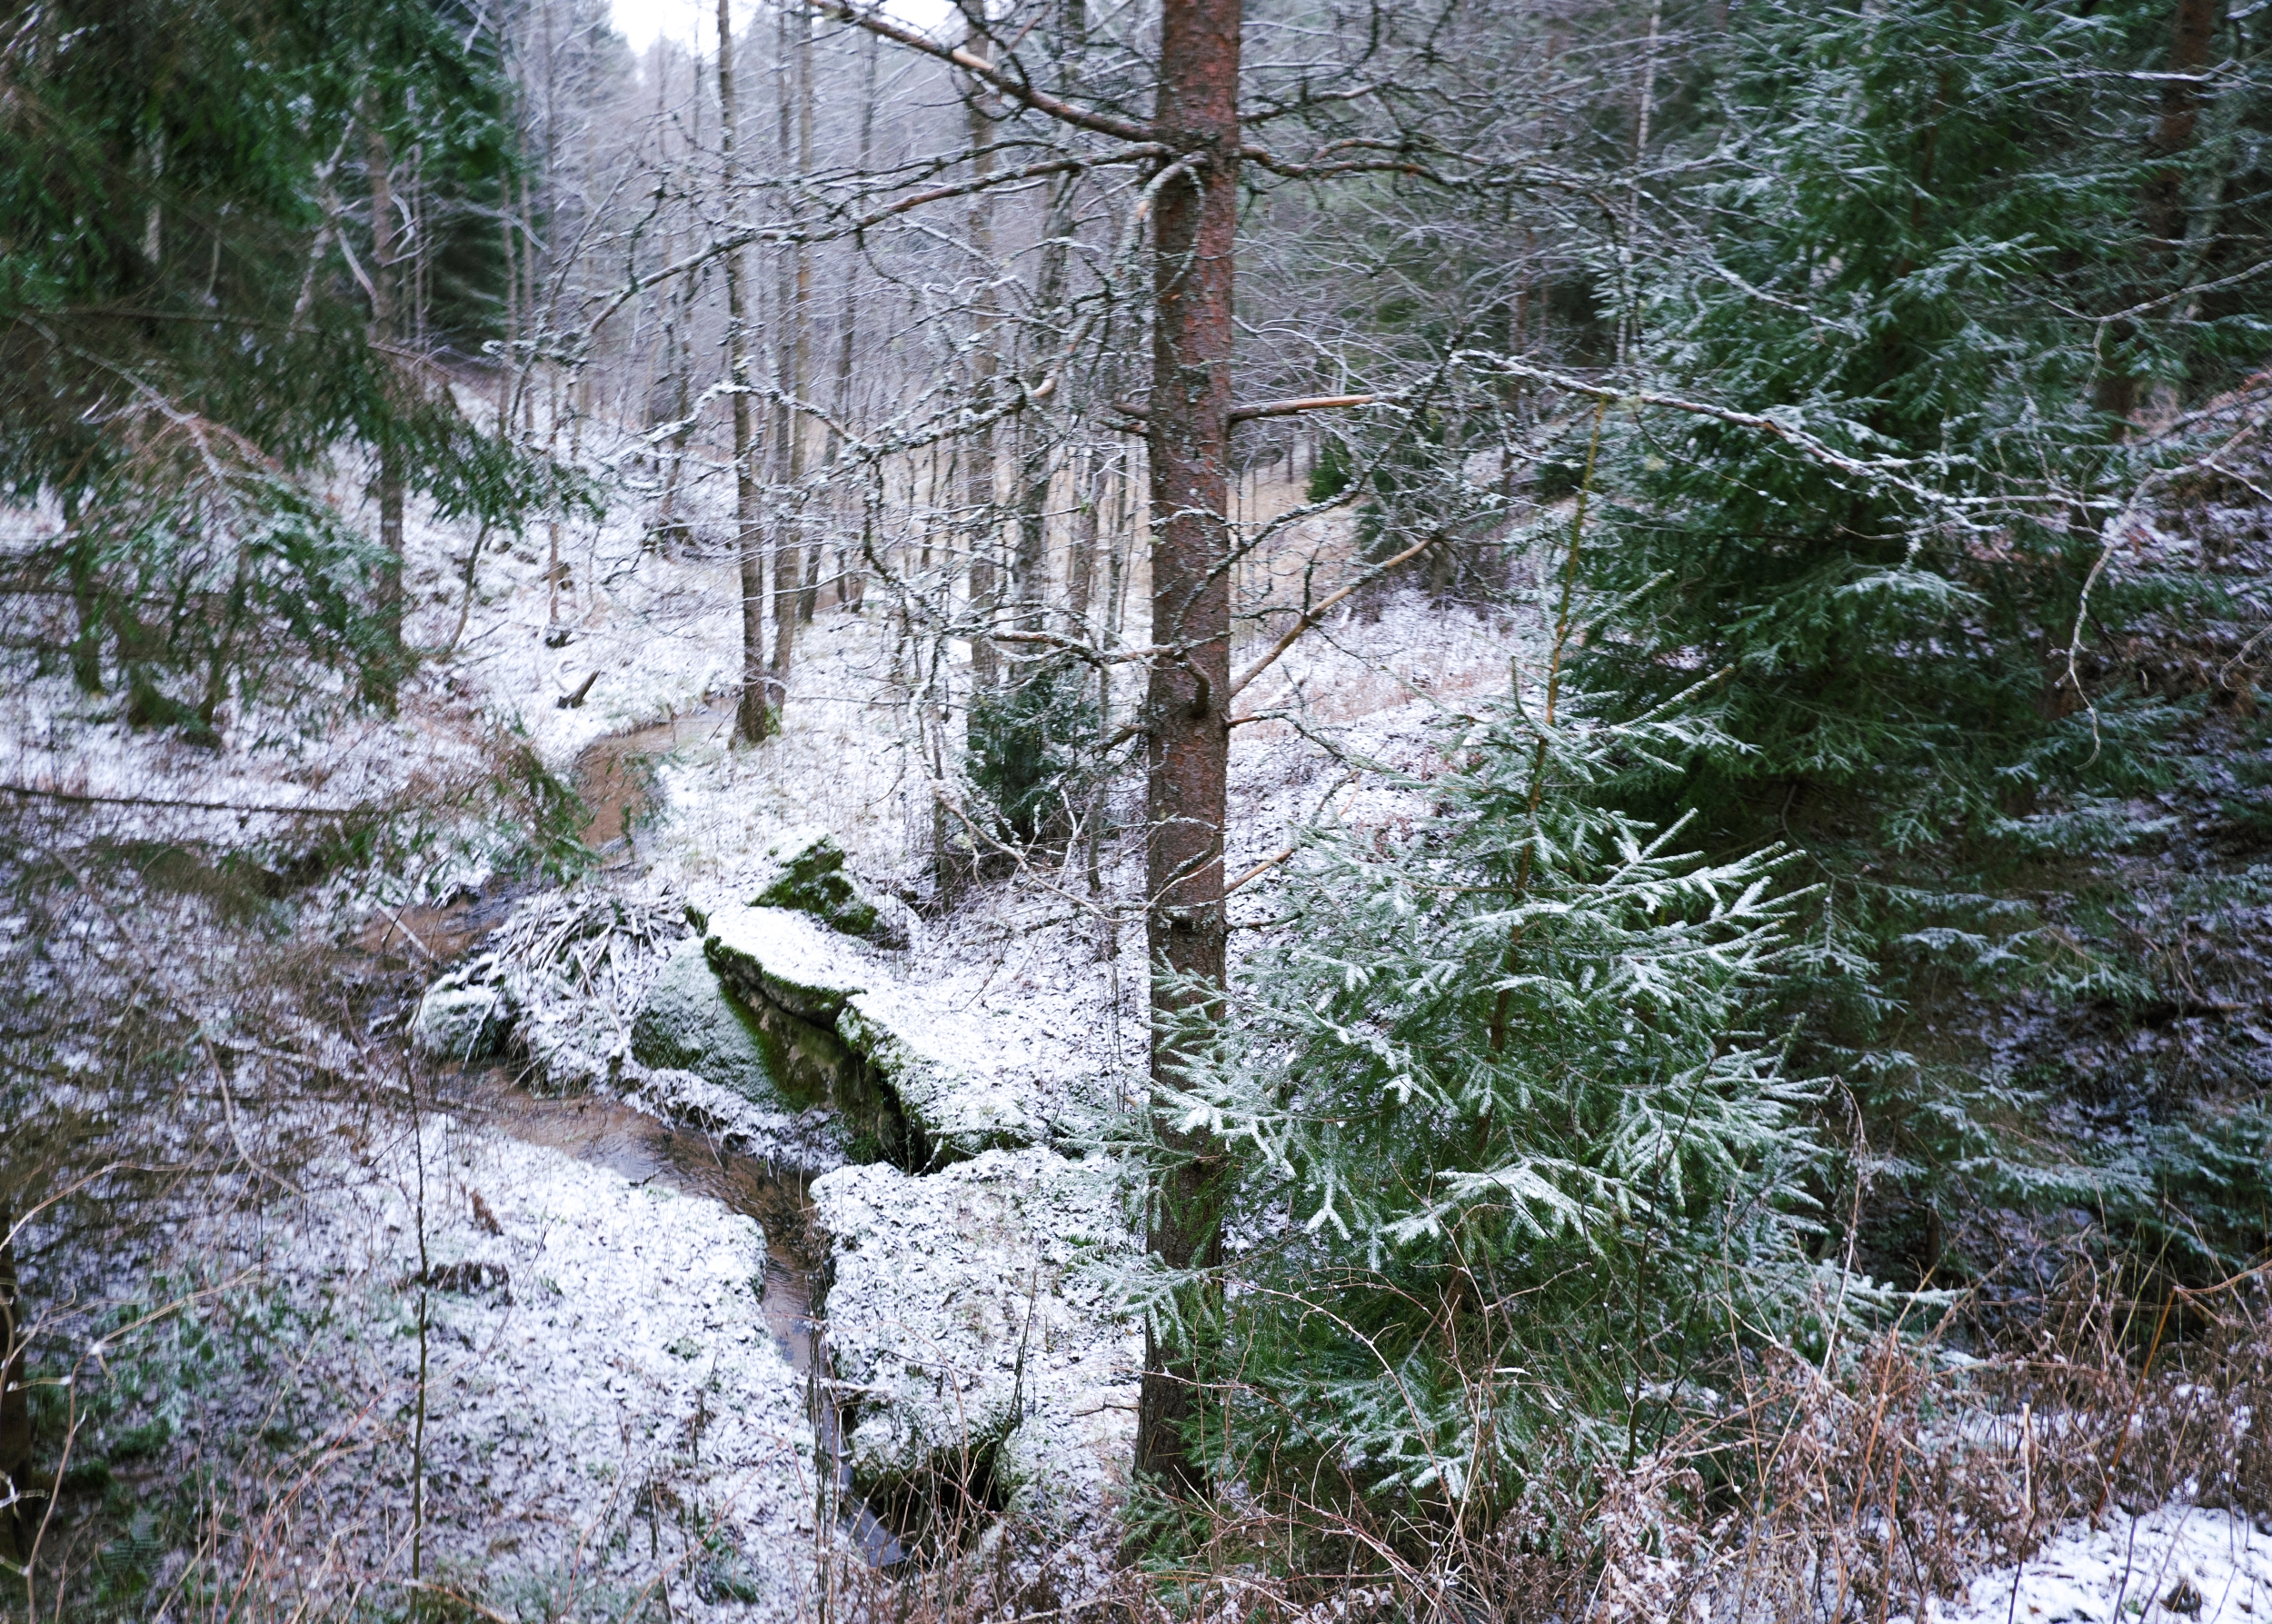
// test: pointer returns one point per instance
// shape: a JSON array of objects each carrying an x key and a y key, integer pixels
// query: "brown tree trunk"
[
  {"x": 807, "y": 598},
  {"x": 2190, "y": 32},
  {"x": 792, "y": 352},
  {"x": 385, "y": 679},
  {"x": 1188, "y": 439},
  {"x": 753, "y": 718},
  {"x": 1029, "y": 570},
  {"x": 2114, "y": 392},
  {"x": 851, "y": 577}
]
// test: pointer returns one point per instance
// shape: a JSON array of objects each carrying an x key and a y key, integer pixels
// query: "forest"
[{"x": 1184, "y": 812}]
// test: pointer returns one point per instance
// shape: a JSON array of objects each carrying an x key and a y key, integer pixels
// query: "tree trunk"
[
  {"x": 1029, "y": 573},
  {"x": 792, "y": 356},
  {"x": 386, "y": 677},
  {"x": 851, "y": 580},
  {"x": 1080, "y": 552},
  {"x": 977, "y": 489},
  {"x": 802, "y": 320},
  {"x": 752, "y": 720},
  {"x": 2190, "y": 32},
  {"x": 15, "y": 1410},
  {"x": 2115, "y": 391},
  {"x": 1188, "y": 438}
]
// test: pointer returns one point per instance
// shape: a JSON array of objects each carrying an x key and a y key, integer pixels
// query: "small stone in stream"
[{"x": 812, "y": 881}]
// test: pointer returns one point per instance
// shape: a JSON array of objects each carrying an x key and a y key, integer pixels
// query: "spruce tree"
[
  {"x": 1968, "y": 244},
  {"x": 188, "y": 322},
  {"x": 1512, "y": 1141}
]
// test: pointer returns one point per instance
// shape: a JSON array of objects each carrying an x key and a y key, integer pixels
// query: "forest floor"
[
  {"x": 561, "y": 1368},
  {"x": 602, "y": 1413}
]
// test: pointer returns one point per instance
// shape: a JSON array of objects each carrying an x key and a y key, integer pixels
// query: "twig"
[
  {"x": 1317, "y": 612},
  {"x": 2138, "y": 1395}
]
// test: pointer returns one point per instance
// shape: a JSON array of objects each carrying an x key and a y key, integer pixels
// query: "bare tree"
[{"x": 752, "y": 714}]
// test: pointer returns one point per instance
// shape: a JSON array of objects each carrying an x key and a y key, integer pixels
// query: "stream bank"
[{"x": 745, "y": 1041}]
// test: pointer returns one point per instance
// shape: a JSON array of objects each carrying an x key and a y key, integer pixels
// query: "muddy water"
[{"x": 615, "y": 775}]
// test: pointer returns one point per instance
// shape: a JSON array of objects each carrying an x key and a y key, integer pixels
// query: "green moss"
[
  {"x": 689, "y": 1022},
  {"x": 812, "y": 881}
]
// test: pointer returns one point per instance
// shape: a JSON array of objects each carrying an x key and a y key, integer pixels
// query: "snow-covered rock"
[
  {"x": 964, "y": 1313},
  {"x": 464, "y": 1016},
  {"x": 914, "y": 1079},
  {"x": 811, "y": 1140},
  {"x": 689, "y": 1022}
]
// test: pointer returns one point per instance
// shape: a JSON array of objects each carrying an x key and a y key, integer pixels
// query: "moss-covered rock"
[
  {"x": 689, "y": 1021},
  {"x": 900, "y": 1075},
  {"x": 812, "y": 880}
]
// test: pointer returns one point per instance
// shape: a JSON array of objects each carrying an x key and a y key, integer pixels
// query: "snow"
[
  {"x": 2175, "y": 1562},
  {"x": 966, "y": 1310},
  {"x": 612, "y": 1359}
]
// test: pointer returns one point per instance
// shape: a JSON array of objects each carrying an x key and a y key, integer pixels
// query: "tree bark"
[
  {"x": 1080, "y": 552},
  {"x": 753, "y": 718},
  {"x": 801, "y": 320},
  {"x": 850, "y": 577},
  {"x": 977, "y": 488},
  {"x": 791, "y": 356},
  {"x": 384, "y": 682},
  {"x": 1028, "y": 571},
  {"x": 2194, "y": 24},
  {"x": 1188, "y": 439}
]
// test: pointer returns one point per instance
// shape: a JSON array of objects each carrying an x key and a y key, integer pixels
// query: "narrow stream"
[
  {"x": 644, "y": 1149},
  {"x": 616, "y": 777}
]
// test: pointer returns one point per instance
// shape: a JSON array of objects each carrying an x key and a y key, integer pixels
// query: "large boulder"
[
  {"x": 688, "y": 1022},
  {"x": 912, "y": 1083},
  {"x": 969, "y": 1326}
]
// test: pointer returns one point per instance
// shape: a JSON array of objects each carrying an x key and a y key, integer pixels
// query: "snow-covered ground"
[
  {"x": 2174, "y": 1563},
  {"x": 606, "y": 1411}
]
